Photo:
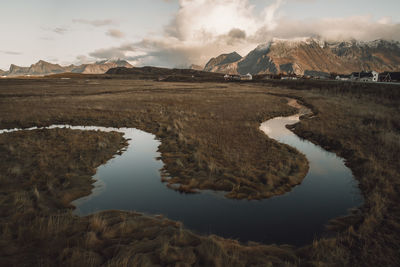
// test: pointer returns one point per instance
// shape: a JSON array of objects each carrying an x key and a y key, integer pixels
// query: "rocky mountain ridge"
[
  {"x": 223, "y": 59},
  {"x": 42, "y": 68},
  {"x": 304, "y": 56}
]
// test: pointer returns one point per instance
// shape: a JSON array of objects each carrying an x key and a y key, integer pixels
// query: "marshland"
[{"x": 209, "y": 141}]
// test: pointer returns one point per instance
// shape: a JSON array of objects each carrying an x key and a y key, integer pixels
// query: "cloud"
[
  {"x": 115, "y": 33},
  {"x": 10, "y": 52},
  {"x": 60, "y": 30},
  {"x": 237, "y": 34},
  {"x": 96, "y": 23},
  {"x": 202, "y": 29},
  {"x": 202, "y": 20},
  {"x": 82, "y": 59},
  {"x": 122, "y": 52},
  {"x": 362, "y": 28}
]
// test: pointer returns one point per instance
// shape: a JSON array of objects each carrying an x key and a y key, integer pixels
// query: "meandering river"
[{"x": 132, "y": 181}]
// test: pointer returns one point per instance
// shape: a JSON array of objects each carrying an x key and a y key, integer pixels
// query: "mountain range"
[
  {"x": 310, "y": 56},
  {"x": 45, "y": 68},
  {"x": 302, "y": 56}
]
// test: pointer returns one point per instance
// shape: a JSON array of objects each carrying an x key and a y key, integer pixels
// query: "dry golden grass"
[
  {"x": 50, "y": 168},
  {"x": 210, "y": 140},
  {"x": 42, "y": 171},
  {"x": 210, "y": 132},
  {"x": 361, "y": 124}
]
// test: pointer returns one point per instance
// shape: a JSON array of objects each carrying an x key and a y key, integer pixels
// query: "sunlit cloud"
[
  {"x": 115, "y": 33},
  {"x": 202, "y": 29}
]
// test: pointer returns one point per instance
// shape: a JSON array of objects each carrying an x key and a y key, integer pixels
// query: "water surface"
[{"x": 132, "y": 181}]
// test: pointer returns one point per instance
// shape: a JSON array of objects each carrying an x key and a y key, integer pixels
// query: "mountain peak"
[
  {"x": 222, "y": 60},
  {"x": 264, "y": 47},
  {"x": 42, "y": 62},
  {"x": 293, "y": 42},
  {"x": 313, "y": 54},
  {"x": 116, "y": 62}
]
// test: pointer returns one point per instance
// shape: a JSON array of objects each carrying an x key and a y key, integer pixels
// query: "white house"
[
  {"x": 247, "y": 77},
  {"x": 375, "y": 76},
  {"x": 343, "y": 77},
  {"x": 371, "y": 76}
]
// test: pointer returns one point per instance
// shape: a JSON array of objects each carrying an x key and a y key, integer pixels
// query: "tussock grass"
[
  {"x": 209, "y": 132},
  {"x": 360, "y": 122},
  {"x": 210, "y": 140},
  {"x": 36, "y": 222}
]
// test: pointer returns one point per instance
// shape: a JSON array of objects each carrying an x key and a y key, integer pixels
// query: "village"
[{"x": 364, "y": 76}]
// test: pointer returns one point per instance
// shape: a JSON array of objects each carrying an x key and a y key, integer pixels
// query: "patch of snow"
[
  {"x": 264, "y": 47},
  {"x": 299, "y": 40}
]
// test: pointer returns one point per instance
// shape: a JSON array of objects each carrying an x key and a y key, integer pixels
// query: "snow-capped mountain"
[{"x": 307, "y": 55}]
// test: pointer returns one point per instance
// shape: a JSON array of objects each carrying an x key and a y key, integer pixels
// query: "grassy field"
[
  {"x": 210, "y": 140},
  {"x": 209, "y": 132},
  {"x": 361, "y": 123},
  {"x": 43, "y": 170}
]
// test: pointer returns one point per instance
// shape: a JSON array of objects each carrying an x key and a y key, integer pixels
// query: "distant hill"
[
  {"x": 196, "y": 67},
  {"x": 101, "y": 66},
  {"x": 309, "y": 55},
  {"x": 42, "y": 68}
]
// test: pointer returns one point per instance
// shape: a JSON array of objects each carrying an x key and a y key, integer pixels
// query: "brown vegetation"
[
  {"x": 43, "y": 170},
  {"x": 361, "y": 123},
  {"x": 209, "y": 132},
  {"x": 200, "y": 125}
]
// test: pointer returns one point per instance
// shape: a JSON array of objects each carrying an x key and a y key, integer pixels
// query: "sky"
[{"x": 178, "y": 33}]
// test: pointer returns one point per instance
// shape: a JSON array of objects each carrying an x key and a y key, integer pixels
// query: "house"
[
  {"x": 389, "y": 77},
  {"x": 247, "y": 77},
  {"x": 371, "y": 76},
  {"x": 317, "y": 75},
  {"x": 233, "y": 77},
  {"x": 289, "y": 78},
  {"x": 342, "y": 77},
  {"x": 230, "y": 77}
]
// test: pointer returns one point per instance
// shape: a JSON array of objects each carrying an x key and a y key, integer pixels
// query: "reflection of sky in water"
[{"x": 132, "y": 181}]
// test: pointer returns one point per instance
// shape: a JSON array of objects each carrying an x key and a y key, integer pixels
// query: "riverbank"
[
  {"x": 361, "y": 125},
  {"x": 44, "y": 170},
  {"x": 369, "y": 237},
  {"x": 209, "y": 132}
]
